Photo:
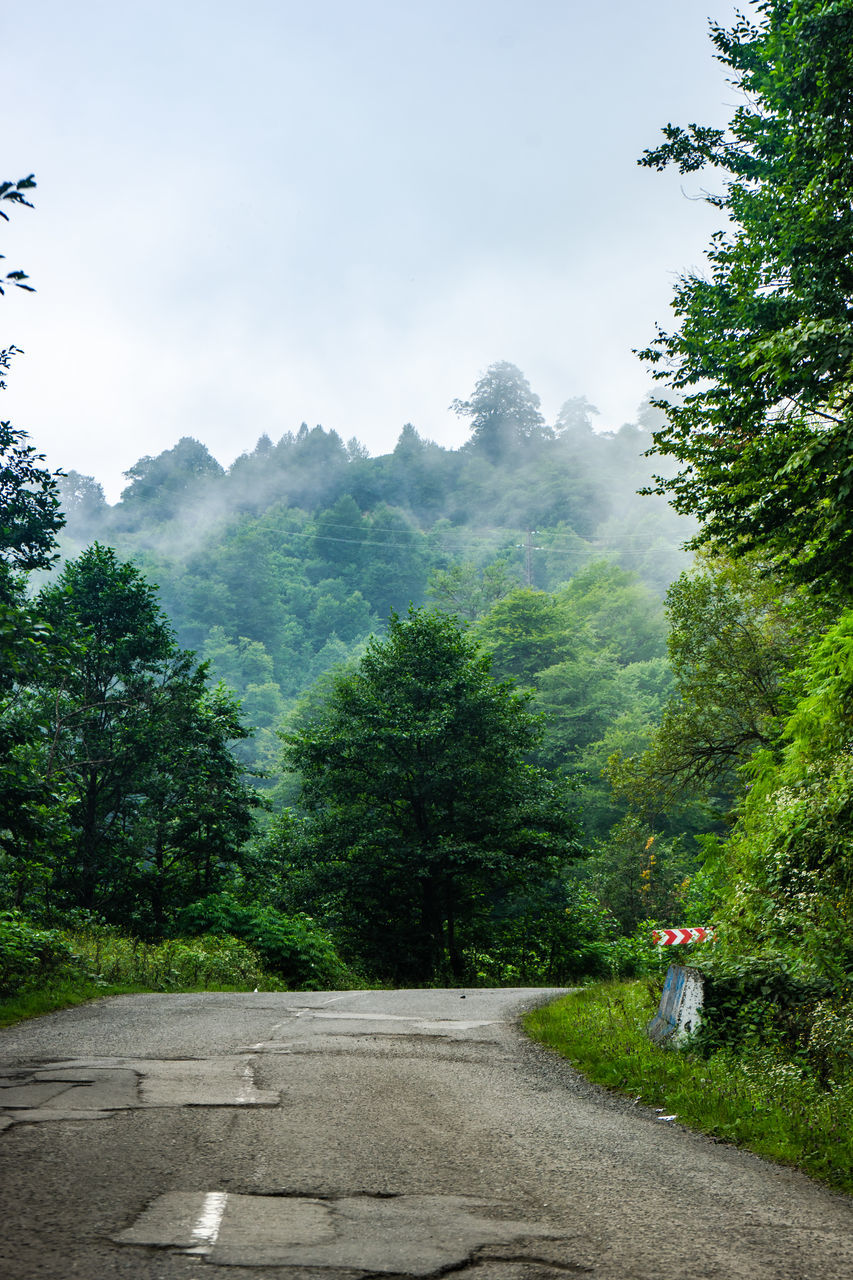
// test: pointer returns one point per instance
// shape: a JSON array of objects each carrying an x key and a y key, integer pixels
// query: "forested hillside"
[
  {"x": 280, "y": 567},
  {"x": 475, "y": 714}
]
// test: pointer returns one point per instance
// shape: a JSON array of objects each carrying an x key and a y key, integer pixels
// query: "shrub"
[
  {"x": 114, "y": 958},
  {"x": 292, "y": 947},
  {"x": 758, "y": 1001},
  {"x": 30, "y": 955}
]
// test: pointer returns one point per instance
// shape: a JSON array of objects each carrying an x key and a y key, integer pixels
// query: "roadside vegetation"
[
  {"x": 472, "y": 717},
  {"x": 46, "y": 969},
  {"x": 759, "y": 1095}
]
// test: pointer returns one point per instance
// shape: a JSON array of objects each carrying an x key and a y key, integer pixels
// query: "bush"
[
  {"x": 292, "y": 947},
  {"x": 758, "y": 1001},
  {"x": 30, "y": 955},
  {"x": 554, "y": 933},
  {"x": 111, "y": 957}
]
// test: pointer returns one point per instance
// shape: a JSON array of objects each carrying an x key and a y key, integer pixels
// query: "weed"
[{"x": 763, "y": 1099}]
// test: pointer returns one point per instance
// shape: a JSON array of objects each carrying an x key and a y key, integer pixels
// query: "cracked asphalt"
[{"x": 354, "y": 1134}]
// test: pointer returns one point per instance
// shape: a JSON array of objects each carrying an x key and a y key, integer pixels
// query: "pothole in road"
[
  {"x": 93, "y": 1089},
  {"x": 394, "y": 1023},
  {"x": 410, "y": 1235}
]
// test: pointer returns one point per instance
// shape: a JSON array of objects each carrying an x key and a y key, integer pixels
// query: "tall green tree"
[
  {"x": 421, "y": 810},
  {"x": 524, "y": 633},
  {"x": 173, "y": 479},
  {"x": 761, "y": 363},
  {"x": 139, "y": 745},
  {"x": 734, "y": 640},
  {"x": 787, "y": 871},
  {"x": 30, "y": 519},
  {"x": 503, "y": 411}
]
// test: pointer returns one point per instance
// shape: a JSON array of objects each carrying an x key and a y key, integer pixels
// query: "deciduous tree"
[
  {"x": 420, "y": 806},
  {"x": 155, "y": 800},
  {"x": 503, "y": 410},
  {"x": 760, "y": 368}
]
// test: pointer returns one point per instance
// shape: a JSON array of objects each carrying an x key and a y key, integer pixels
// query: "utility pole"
[{"x": 529, "y": 574}]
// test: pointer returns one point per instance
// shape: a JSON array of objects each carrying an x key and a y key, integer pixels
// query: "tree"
[
  {"x": 504, "y": 412},
  {"x": 575, "y": 418},
  {"x": 29, "y": 502},
  {"x": 395, "y": 572},
  {"x": 787, "y": 870},
  {"x": 760, "y": 371},
  {"x": 83, "y": 504},
  {"x": 173, "y": 479},
  {"x": 733, "y": 642},
  {"x": 154, "y": 798},
  {"x": 339, "y": 540},
  {"x": 29, "y": 522},
  {"x": 12, "y": 193},
  {"x": 469, "y": 591},
  {"x": 30, "y": 516},
  {"x": 525, "y": 632},
  {"x": 620, "y": 613},
  {"x": 420, "y": 806},
  {"x": 195, "y": 811}
]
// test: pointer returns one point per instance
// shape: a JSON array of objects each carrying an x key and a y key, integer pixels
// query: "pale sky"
[{"x": 252, "y": 215}]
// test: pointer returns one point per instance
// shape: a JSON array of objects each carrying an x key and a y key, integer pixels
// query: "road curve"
[{"x": 352, "y": 1134}]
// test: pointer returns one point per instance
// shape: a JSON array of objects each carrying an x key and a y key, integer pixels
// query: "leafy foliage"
[
  {"x": 156, "y": 804},
  {"x": 760, "y": 418},
  {"x": 29, "y": 955},
  {"x": 12, "y": 193},
  {"x": 420, "y": 808},
  {"x": 292, "y": 947},
  {"x": 30, "y": 517},
  {"x": 788, "y": 864},
  {"x": 734, "y": 640},
  {"x": 504, "y": 412}
]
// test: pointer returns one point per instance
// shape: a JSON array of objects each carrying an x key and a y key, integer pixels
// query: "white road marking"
[
  {"x": 248, "y": 1092},
  {"x": 206, "y": 1230}
]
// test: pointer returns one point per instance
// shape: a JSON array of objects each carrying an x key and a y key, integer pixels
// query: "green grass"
[
  {"x": 100, "y": 961},
  {"x": 762, "y": 1101},
  {"x": 63, "y": 994},
  {"x": 70, "y": 993}
]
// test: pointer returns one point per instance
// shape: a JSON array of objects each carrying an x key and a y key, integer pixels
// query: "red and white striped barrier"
[{"x": 674, "y": 937}]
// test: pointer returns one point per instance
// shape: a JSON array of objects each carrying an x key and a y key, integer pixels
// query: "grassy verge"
[
  {"x": 760, "y": 1101},
  {"x": 70, "y": 993},
  {"x": 61, "y": 969},
  {"x": 59, "y": 995}
]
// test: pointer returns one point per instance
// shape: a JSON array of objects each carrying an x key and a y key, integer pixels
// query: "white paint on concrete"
[{"x": 206, "y": 1230}]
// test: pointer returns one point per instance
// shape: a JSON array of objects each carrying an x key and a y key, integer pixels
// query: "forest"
[
  {"x": 238, "y": 604},
  {"x": 482, "y": 715}
]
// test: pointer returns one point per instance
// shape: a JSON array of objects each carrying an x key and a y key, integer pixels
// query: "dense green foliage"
[
  {"x": 421, "y": 815},
  {"x": 43, "y": 968},
  {"x": 292, "y": 947},
  {"x": 518, "y": 728},
  {"x": 280, "y": 567},
  {"x": 29, "y": 955},
  {"x": 148, "y": 805},
  {"x": 761, "y": 646},
  {"x": 762, "y": 419}
]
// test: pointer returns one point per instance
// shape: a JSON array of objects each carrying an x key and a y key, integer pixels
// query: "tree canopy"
[
  {"x": 137, "y": 746},
  {"x": 503, "y": 410},
  {"x": 760, "y": 369},
  {"x": 420, "y": 803}
]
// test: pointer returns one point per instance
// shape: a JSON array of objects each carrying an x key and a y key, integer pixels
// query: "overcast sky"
[{"x": 338, "y": 211}]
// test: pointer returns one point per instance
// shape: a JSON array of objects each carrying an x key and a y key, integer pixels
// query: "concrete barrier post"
[{"x": 680, "y": 1006}]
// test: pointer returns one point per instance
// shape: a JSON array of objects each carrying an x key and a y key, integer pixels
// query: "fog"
[{"x": 338, "y": 213}]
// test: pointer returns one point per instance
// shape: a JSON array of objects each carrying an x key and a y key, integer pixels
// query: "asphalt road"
[{"x": 324, "y": 1135}]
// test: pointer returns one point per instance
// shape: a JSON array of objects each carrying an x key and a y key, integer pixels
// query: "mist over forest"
[
  {"x": 477, "y": 716},
  {"x": 279, "y": 567}
]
